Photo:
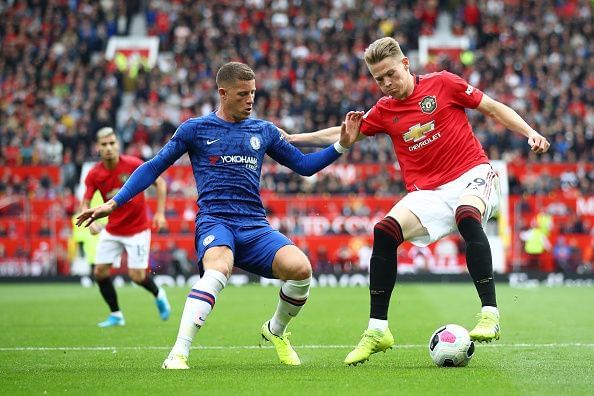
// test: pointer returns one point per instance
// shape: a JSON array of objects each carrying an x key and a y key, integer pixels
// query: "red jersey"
[
  {"x": 430, "y": 132},
  {"x": 130, "y": 218}
]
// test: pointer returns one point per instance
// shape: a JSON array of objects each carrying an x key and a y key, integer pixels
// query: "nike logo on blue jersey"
[{"x": 209, "y": 142}]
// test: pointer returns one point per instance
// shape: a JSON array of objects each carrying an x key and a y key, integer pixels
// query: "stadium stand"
[{"x": 57, "y": 89}]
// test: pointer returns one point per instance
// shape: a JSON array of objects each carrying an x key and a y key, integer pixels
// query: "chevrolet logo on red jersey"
[{"x": 418, "y": 132}]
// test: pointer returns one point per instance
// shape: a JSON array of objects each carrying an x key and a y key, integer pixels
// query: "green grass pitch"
[{"x": 49, "y": 343}]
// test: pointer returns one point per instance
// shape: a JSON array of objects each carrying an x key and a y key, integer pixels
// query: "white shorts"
[
  {"x": 110, "y": 248},
  {"x": 436, "y": 209}
]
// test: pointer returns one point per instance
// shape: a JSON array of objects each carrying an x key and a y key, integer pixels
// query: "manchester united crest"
[{"x": 428, "y": 104}]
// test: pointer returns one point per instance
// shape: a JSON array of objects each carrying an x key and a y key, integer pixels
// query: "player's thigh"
[
  {"x": 409, "y": 223},
  {"x": 109, "y": 249},
  {"x": 290, "y": 263},
  {"x": 474, "y": 201},
  {"x": 215, "y": 244},
  {"x": 426, "y": 216},
  {"x": 257, "y": 247},
  {"x": 138, "y": 248}
]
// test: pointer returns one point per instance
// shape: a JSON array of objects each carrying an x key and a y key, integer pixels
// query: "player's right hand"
[
  {"x": 538, "y": 143},
  {"x": 87, "y": 217}
]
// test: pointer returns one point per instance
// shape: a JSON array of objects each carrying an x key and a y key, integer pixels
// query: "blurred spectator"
[
  {"x": 56, "y": 88},
  {"x": 180, "y": 263},
  {"x": 160, "y": 259},
  {"x": 322, "y": 263},
  {"x": 44, "y": 229},
  {"x": 573, "y": 225},
  {"x": 3, "y": 231},
  {"x": 43, "y": 260},
  {"x": 170, "y": 211},
  {"x": 185, "y": 228},
  {"x": 562, "y": 255},
  {"x": 536, "y": 242},
  {"x": 447, "y": 248}
]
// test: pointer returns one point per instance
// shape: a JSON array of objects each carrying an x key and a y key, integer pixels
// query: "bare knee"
[
  {"x": 137, "y": 276},
  {"x": 218, "y": 258},
  {"x": 101, "y": 271},
  {"x": 218, "y": 265},
  {"x": 290, "y": 263},
  {"x": 302, "y": 271}
]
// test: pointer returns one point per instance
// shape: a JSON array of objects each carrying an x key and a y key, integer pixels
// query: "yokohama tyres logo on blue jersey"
[{"x": 250, "y": 162}]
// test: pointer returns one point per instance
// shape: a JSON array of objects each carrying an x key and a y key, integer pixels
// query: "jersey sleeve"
[
  {"x": 89, "y": 186},
  {"x": 288, "y": 155},
  {"x": 372, "y": 122},
  {"x": 177, "y": 146},
  {"x": 461, "y": 92}
]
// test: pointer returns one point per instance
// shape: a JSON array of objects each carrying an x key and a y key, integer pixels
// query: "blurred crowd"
[{"x": 57, "y": 89}]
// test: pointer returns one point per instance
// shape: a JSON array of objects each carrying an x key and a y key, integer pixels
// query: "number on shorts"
[
  {"x": 479, "y": 181},
  {"x": 140, "y": 250}
]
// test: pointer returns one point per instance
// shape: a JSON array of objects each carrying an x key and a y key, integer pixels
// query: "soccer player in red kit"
[
  {"x": 450, "y": 184},
  {"x": 128, "y": 227}
]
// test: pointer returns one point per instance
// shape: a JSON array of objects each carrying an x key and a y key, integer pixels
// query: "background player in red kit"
[
  {"x": 128, "y": 227},
  {"x": 450, "y": 184}
]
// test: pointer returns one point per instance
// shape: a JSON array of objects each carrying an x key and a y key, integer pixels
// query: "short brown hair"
[
  {"x": 105, "y": 132},
  {"x": 234, "y": 71},
  {"x": 381, "y": 49}
]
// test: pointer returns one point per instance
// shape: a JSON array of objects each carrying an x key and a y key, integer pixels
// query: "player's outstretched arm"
[
  {"x": 512, "y": 121},
  {"x": 308, "y": 164},
  {"x": 321, "y": 138}
]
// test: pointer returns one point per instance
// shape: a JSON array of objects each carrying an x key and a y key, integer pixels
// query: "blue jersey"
[{"x": 227, "y": 161}]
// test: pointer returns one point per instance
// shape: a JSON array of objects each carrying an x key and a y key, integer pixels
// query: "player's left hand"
[
  {"x": 87, "y": 217},
  {"x": 349, "y": 131},
  {"x": 159, "y": 221},
  {"x": 538, "y": 143}
]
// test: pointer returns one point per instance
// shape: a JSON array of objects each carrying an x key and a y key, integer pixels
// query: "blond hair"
[
  {"x": 381, "y": 49},
  {"x": 234, "y": 71},
  {"x": 105, "y": 132}
]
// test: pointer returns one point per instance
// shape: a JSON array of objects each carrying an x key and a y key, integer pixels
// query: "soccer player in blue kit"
[{"x": 226, "y": 149}]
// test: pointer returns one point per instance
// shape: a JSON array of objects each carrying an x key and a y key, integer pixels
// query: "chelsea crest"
[{"x": 255, "y": 142}]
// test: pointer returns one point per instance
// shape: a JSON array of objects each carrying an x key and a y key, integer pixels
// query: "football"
[{"x": 450, "y": 346}]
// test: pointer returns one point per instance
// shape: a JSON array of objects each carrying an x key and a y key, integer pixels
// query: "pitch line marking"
[{"x": 244, "y": 347}]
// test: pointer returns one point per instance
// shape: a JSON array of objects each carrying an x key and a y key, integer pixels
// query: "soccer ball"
[{"x": 450, "y": 346}]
